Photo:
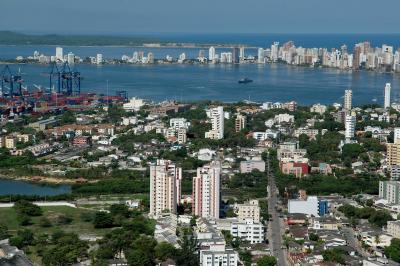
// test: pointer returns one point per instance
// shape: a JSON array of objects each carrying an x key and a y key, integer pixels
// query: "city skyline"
[{"x": 222, "y": 17}]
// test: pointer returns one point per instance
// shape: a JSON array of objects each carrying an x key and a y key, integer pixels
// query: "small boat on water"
[{"x": 245, "y": 80}]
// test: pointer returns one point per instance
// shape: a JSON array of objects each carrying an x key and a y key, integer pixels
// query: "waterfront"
[
  {"x": 272, "y": 82},
  {"x": 16, "y": 187}
]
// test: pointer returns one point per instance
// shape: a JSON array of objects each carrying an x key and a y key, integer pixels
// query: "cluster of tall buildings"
[
  {"x": 165, "y": 189},
  {"x": 363, "y": 56},
  {"x": 139, "y": 57},
  {"x": 61, "y": 57}
]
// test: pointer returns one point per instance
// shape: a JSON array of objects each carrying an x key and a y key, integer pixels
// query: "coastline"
[{"x": 43, "y": 180}]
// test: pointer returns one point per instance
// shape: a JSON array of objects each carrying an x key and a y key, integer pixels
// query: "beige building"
[
  {"x": 181, "y": 135},
  {"x": 10, "y": 142},
  {"x": 393, "y": 153},
  {"x": 165, "y": 187},
  {"x": 240, "y": 122},
  {"x": 248, "y": 210},
  {"x": 393, "y": 228}
]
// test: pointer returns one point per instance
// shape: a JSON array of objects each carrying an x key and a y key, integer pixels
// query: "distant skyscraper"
[
  {"x": 235, "y": 55},
  {"x": 261, "y": 56},
  {"x": 350, "y": 125},
  {"x": 348, "y": 97},
  {"x": 387, "y": 95},
  {"x": 71, "y": 58},
  {"x": 216, "y": 116},
  {"x": 150, "y": 58},
  {"x": 206, "y": 191},
  {"x": 59, "y": 54},
  {"x": 99, "y": 59},
  {"x": 241, "y": 53},
  {"x": 202, "y": 54},
  {"x": 165, "y": 187},
  {"x": 211, "y": 53},
  {"x": 275, "y": 51}
]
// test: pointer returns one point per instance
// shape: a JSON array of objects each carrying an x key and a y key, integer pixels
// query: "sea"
[{"x": 184, "y": 82}]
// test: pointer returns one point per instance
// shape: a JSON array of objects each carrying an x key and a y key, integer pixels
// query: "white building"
[
  {"x": 165, "y": 187},
  {"x": 284, "y": 118},
  {"x": 178, "y": 123},
  {"x": 387, "y": 96},
  {"x": 318, "y": 108},
  {"x": 248, "y": 231},
  {"x": 211, "y": 53},
  {"x": 59, "y": 54},
  {"x": 348, "y": 97},
  {"x": 219, "y": 255},
  {"x": 99, "y": 59},
  {"x": 216, "y": 116},
  {"x": 249, "y": 166},
  {"x": 71, "y": 58},
  {"x": 206, "y": 191},
  {"x": 350, "y": 125},
  {"x": 261, "y": 56},
  {"x": 396, "y": 134},
  {"x": 134, "y": 104},
  {"x": 308, "y": 207}
]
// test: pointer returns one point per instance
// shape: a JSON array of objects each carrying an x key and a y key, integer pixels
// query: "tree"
[
  {"x": 393, "y": 251},
  {"x": 103, "y": 220},
  {"x": 165, "y": 251},
  {"x": 65, "y": 249},
  {"x": 27, "y": 208},
  {"x": 333, "y": 255},
  {"x": 3, "y": 231},
  {"x": 138, "y": 258},
  {"x": 266, "y": 261},
  {"x": 22, "y": 239},
  {"x": 313, "y": 237}
]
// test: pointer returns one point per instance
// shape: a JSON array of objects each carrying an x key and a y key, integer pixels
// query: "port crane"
[
  {"x": 66, "y": 80},
  {"x": 11, "y": 84}
]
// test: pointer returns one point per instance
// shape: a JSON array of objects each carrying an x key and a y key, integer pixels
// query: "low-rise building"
[
  {"x": 249, "y": 166},
  {"x": 248, "y": 210},
  {"x": 393, "y": 228},
  {"x": 248, "y": 231},
  {"x": 312, "y": 206}
]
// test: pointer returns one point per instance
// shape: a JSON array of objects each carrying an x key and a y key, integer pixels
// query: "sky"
[{"x": 201, "y": 16}]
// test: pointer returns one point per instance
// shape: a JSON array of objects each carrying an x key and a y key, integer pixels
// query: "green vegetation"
[
  {"x": 247, "y": 186},
  {"x": 323, "y": 148},
  {"x": 13, "y": 38},
  {"x": 378, "y": 218},
  {"x": 334, "y": 255},
  {"x": 112, "y": 186},
  {"x": 393, "y": 251},
  {"x": 266, "y": 261}
]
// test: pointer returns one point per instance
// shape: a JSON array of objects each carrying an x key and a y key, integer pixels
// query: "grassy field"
[{"x": 53, "y": 213}]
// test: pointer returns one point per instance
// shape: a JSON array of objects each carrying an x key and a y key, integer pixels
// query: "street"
[{"x": 275, "y": 224}]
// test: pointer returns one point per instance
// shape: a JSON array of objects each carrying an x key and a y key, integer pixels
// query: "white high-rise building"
[
  {"x": 211, "y": 53},
  {"x": 206, "y": 191},
  {"x": 71, "y": 58},
  {"x": 165, "y": 187},
  {"x": 275, "y": 51},
  {"x": 241, "y": 53},
  {"x": 396, "y": 136},
  {"x": 261, "y": 55},
  {"x": 348, "y": 97},
  {"x": 350, "y": 125},
  {"x": 59, "y": 54},
  {"x": 99, "y": 59},
  {"x": 387, "y": 95},
  {"x": 216, "y": 116}
]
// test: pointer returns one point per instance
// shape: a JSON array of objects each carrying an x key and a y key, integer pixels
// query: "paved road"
[{"x": 275, "y": 226}]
